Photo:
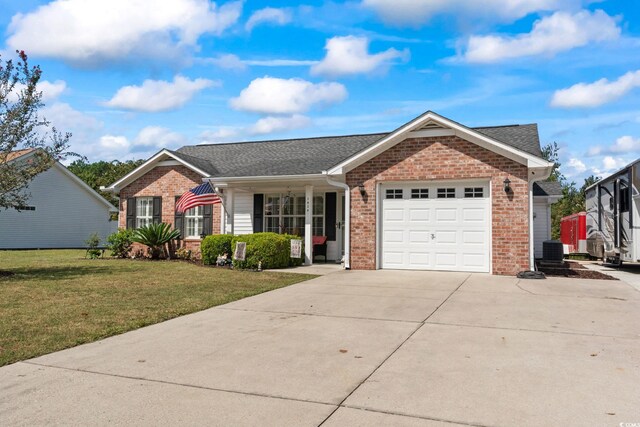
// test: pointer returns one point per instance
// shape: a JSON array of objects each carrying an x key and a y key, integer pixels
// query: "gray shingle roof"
[
  {"x": 313, "y": 155},
  {"x": 547, "y": 188}
]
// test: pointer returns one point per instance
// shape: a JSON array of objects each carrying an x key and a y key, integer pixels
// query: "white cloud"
[
  {"x": 268, "y": 15},
  {"x": 596, "y": 93},
  {"x": 227, "y": 61},
  {"x": 417, "y": 12},
  {"x": 233, "y": 62},
  {"x": 93, "y": 31},
  {"x": 66, "y": 118},
  {"x": 349, "y": 55},
  {"x": 610, "y": 163},
  {"x": 50, "y": 91},
  {"x": 114, "y": 143},
  {"x": 158, "y": 95},
  {"x": 273, "y": 124},
  {"x": 222, "y": 134},
  {"x": 623, "y": 145},
  {"x": 157, "y": 137},
  {"x": 270, "y": 95},
  {"x": 550, "y": 35},
  {"x": 576, "y": 167}
]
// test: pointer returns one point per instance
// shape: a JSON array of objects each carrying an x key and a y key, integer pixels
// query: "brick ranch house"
[{"x": 433, "y": 194}]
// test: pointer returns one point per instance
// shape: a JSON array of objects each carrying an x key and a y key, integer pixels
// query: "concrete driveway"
[{"x": 358, "y": 349}]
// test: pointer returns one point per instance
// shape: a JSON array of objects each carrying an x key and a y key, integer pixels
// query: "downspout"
[{"x": 347, "y": 219}]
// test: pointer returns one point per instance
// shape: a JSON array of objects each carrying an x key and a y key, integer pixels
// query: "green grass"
[{"x": 56, "y": 299}]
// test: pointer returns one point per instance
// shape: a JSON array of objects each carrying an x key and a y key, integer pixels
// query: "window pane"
[
  {"x": 419, "y": 193},
  {"x": 300, "y": 205},
  {"x": 446, "y": 193},
  {"x": 318, "y": 226},
  {"x": 473, "y": 192},
  {"x": 318, "y": 205},
  {"x": 395, "y": 193},
  {"x": 288, "y": 205}
]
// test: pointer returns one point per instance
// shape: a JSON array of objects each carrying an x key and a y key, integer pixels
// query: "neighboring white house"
[{"x": 62, "y": 212}]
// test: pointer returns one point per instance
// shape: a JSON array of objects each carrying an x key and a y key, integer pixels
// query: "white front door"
[{"x": 436, "y": 226}]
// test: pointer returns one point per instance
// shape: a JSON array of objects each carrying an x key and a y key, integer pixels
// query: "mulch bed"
[{"x": 573, "y": 270}]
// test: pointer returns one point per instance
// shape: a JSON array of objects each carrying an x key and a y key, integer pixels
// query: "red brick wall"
[
  {"x": 436, "y": 158},
  {"x": 167, "y": 182}
]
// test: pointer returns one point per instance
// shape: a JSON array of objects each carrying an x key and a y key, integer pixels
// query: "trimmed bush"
[
  {"x": 272, "y": 249},
  {"x": 214, "y": 246},
  {"x": 120, "y": 243}
]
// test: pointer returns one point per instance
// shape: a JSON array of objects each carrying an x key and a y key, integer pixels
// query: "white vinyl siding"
[
  {"x": 65, "y": 215},
  {"x": 541, "y": 226},
  {"x": 243, "y": 213}
]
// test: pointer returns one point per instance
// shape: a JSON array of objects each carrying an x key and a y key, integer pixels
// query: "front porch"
[{"x": 306, "y": 209}]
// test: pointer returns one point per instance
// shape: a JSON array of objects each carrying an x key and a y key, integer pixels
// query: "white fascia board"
[
  {"x": 463, "y": 132},
  {"x": 269, "y": 178},
  {"x": 84, "y": 185},
  {"x": 146, "y": 167}
]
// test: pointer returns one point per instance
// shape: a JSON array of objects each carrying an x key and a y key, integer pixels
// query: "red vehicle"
[{"x": 573, "y": 232}]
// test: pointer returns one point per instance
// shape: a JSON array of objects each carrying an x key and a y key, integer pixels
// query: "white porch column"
[
  {"x": 229, "y": 209},
  {"x": 308, "y": 229}
]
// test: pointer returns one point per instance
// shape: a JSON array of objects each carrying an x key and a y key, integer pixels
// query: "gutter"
[{"x": 347, "y": 219}]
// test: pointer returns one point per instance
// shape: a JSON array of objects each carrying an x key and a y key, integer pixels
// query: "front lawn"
[{"x": 56, "y": 299}]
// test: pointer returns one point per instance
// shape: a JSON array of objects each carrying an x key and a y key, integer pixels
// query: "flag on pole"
[{"x": 203, "y": 194}]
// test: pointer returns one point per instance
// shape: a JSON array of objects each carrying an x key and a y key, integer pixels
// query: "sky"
[{"x": 130, "y": 77}]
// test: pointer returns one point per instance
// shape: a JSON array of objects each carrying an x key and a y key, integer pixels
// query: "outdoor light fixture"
[
  {"x": 362, "y": 190},
  {"x": 507, "y": 185}
]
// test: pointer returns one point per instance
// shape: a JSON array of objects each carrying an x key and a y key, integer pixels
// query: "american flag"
[{"x": 203, "y": 194}]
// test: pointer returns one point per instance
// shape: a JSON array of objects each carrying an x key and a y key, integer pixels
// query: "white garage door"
[{"x": 436, "y": 226}]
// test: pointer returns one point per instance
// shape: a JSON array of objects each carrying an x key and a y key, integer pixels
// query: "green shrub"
[
  {"x": 214, "y": 246},
  {"x": 271, "y": 249},
  {"x": 155, "y": 237},
  {"x": 92, "y": 246},
  {"x": 120, "y": 243}
]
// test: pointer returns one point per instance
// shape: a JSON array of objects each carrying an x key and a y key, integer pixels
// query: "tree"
[
  {"x": 573, "y": 199},
  {"x": 22, "y": 128},
  {"x": 103, "y": 173}
]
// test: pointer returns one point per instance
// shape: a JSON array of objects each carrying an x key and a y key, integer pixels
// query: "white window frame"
[
  {"x": 280, "y": 216},
  {"x": 195, "y": 216},
  {"x": 144, "y": 218}
]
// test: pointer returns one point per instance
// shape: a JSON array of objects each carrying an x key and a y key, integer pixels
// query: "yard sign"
[
  {"x": 241, "y": 251},
  {"x": 296, "y": 248}
]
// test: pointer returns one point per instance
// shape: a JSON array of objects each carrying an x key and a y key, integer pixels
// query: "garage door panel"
[
  {"x": 434, "y": 233},
  {"x": 446, "y": 215},
  {"x": 395, "y": 214},
  {"x": 394, "y": 236},
  {"x": 476, "y": 237},
  {"x": 446, "y": 237}
]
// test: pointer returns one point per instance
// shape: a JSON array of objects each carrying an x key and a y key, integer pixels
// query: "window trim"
[
  {"x": 281, "y": 215},
  {"x": 149, "y": 211},
  {"x": 191, "y": 214}
]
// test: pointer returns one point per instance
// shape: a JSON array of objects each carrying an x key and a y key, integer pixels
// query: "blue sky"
[{"x": 129, "y": 77}]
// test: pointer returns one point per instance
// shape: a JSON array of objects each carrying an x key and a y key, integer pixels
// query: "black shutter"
[
  {"x": 131, "y": 213},
  {"x": 178, "y": 220},
  {"x": 330, "y": 216},
  {"x": 207, "y": 219},
  {"x": 258, "y": 208},
  {"x": 157, "y": 210}
]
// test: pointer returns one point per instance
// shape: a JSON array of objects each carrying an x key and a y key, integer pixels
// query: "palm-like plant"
[{"x": 155, "y": 237}]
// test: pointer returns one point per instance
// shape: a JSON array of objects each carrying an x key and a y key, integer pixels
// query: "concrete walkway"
[{"x": 358, "y": 349}]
